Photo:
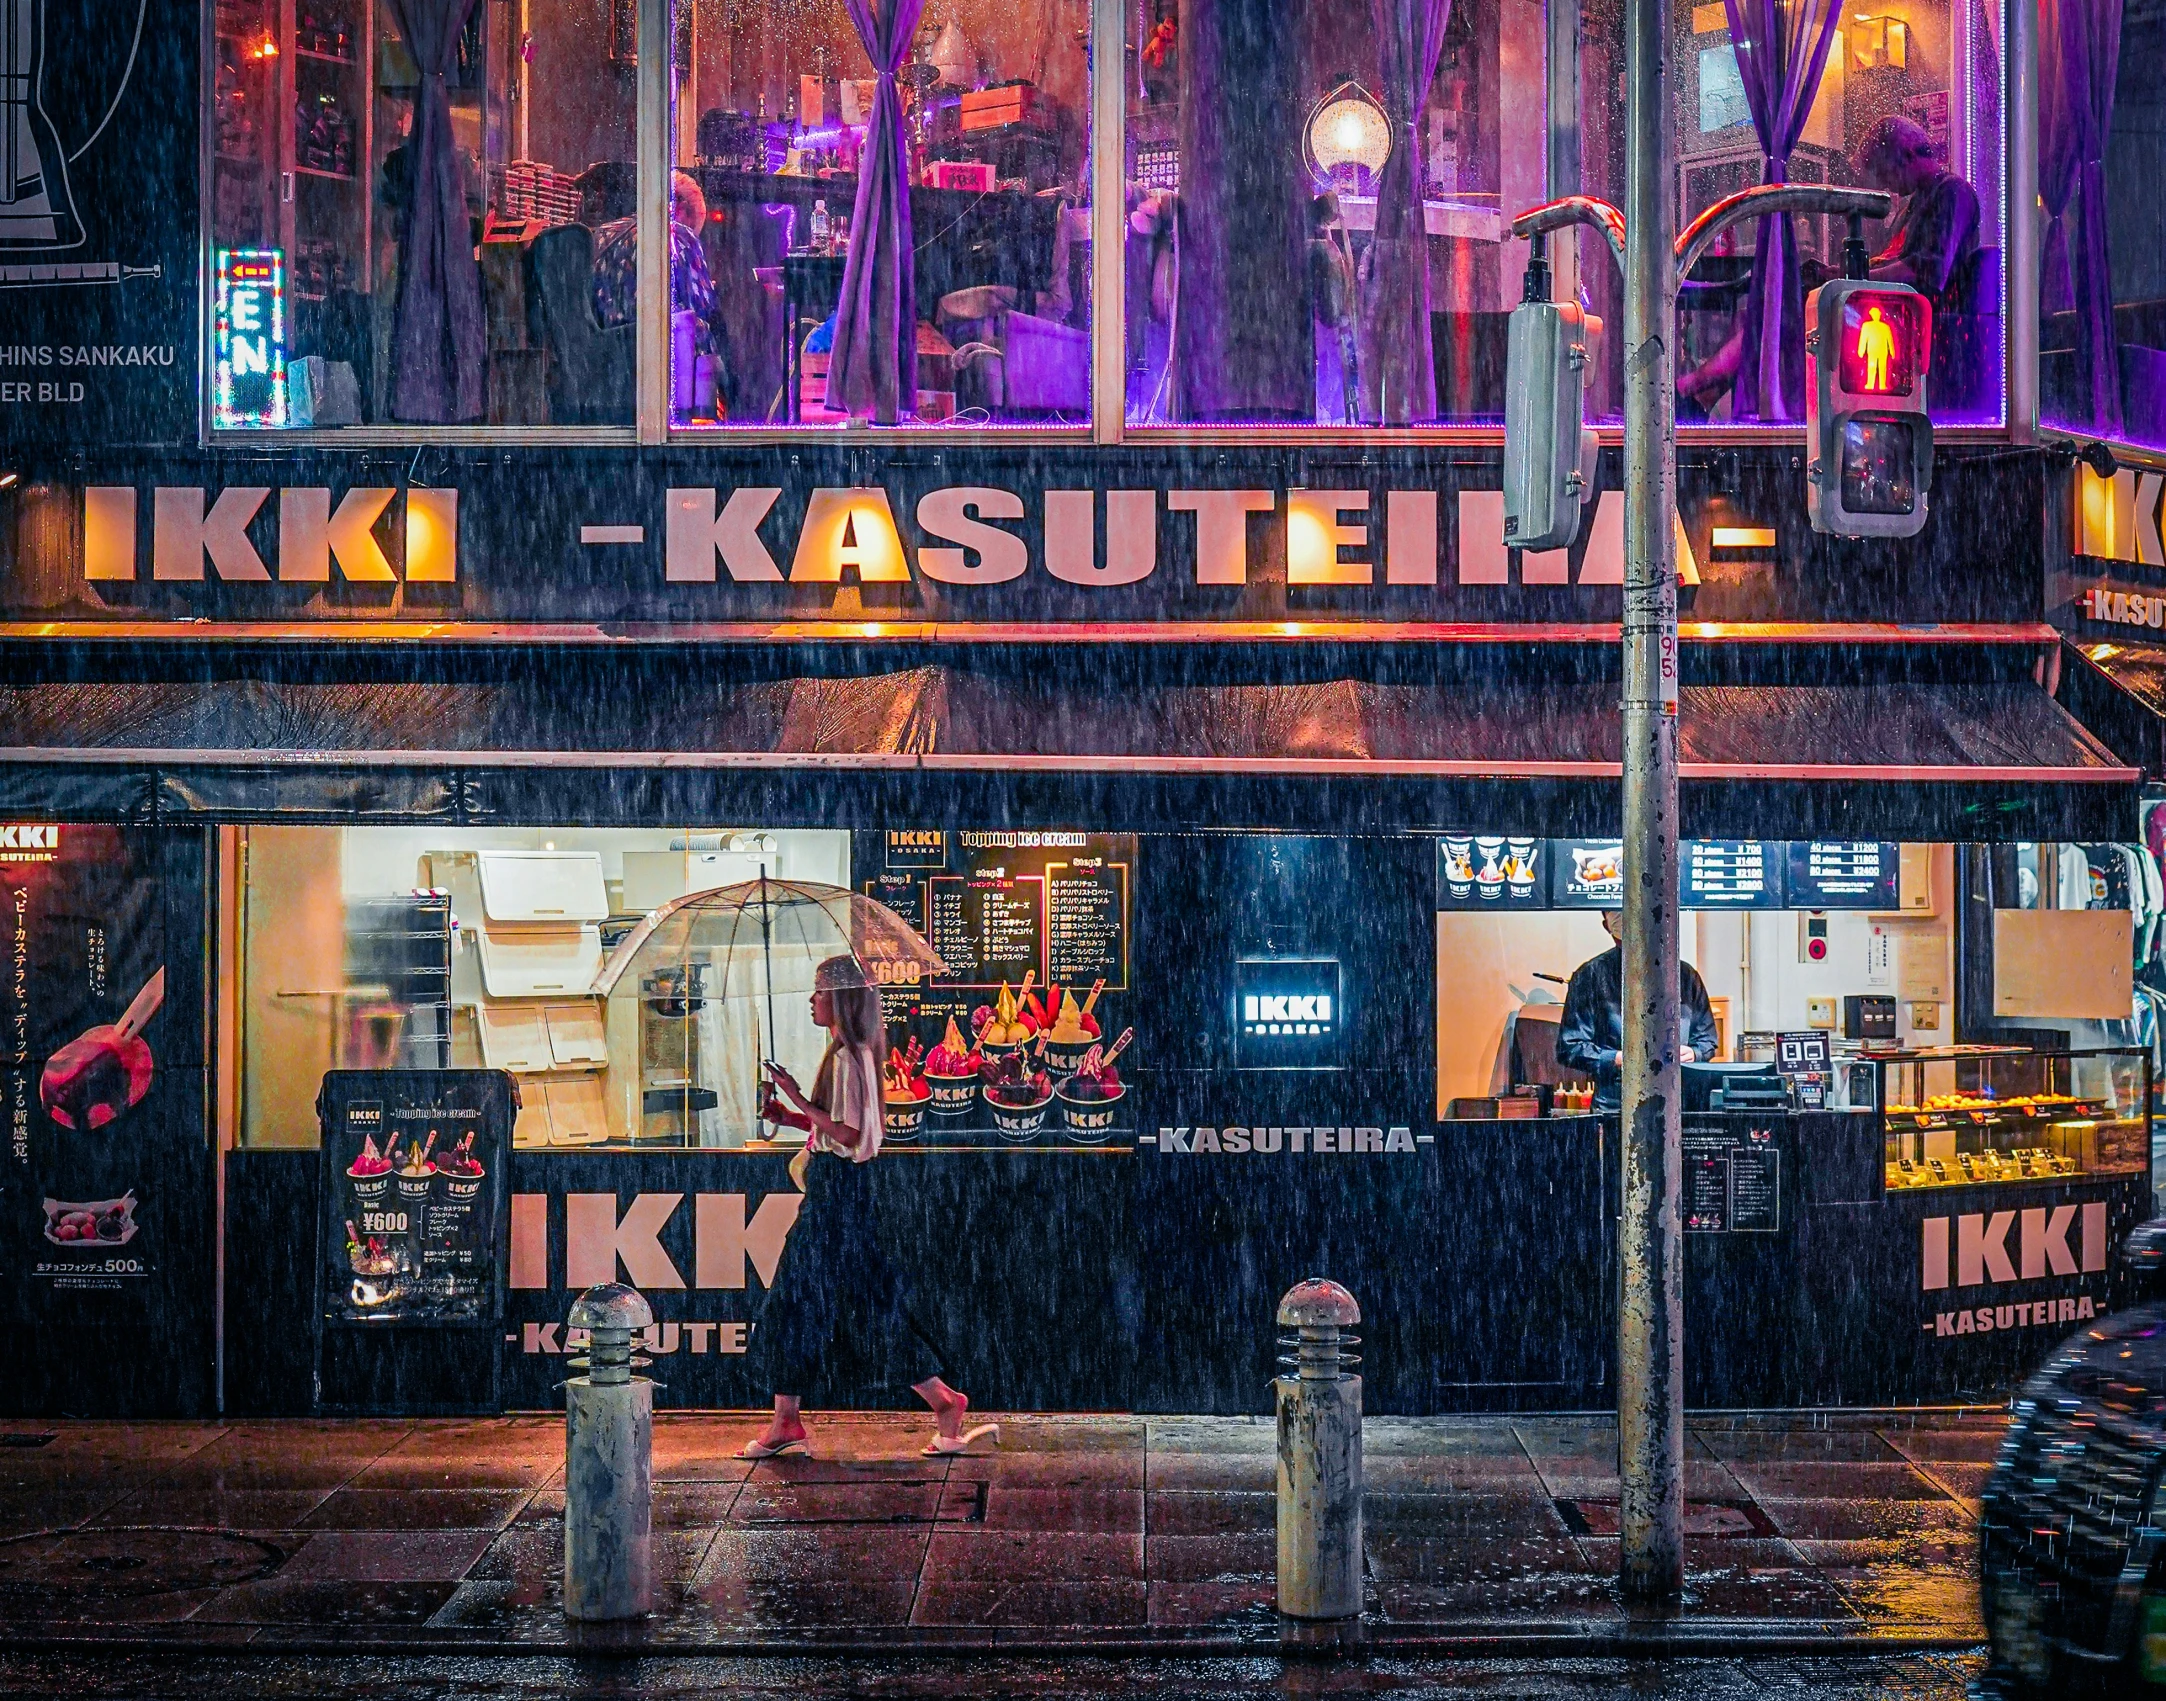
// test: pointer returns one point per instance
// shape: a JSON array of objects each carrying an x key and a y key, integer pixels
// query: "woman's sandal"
[
  {"x": 758, "y": 1449},
  {"x": 942, "y": 1445}
]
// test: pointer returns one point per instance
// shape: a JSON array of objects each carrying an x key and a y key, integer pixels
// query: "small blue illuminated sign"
[{"x": 248, "y": 339}]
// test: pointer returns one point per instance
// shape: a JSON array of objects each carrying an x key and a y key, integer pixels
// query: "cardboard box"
[{"x": 991, "y": 109}]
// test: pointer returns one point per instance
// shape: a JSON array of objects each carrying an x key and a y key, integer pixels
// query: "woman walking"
[{"x": 832, "y": 1260}]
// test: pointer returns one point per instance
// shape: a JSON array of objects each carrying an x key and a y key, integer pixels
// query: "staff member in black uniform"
[
  {"x": 832, "y": 1262},
  {"x": 1590, "y": 1038}
]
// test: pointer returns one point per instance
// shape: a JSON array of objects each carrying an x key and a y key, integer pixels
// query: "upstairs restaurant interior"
[{"x": 882, "y": 211}]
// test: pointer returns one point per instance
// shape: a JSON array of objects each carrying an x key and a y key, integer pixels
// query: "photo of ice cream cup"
[
  {"x": 370, "y": 1173},
  {"x": 1459, "y": 868},
  {"x": 460, "y": 1172},
  {"x": 414, "y": 1175},
  {"x": 1489, "y": 870},
  {"x": 1017, "y": 1121},
  {"x": 1519, "y": 868},
  {"x": 903, "y": 1120},
  {"x": 1089, "y": 1118}
]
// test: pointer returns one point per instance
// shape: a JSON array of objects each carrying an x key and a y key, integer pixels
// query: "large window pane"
[
  {"x": 889, "y": 225},
  {"x": 2102, "y": 149},
  {"x": 1317, "y": 207},
  {"x": 1902, "y": 96},
  {"x": 451, "y": 249}
]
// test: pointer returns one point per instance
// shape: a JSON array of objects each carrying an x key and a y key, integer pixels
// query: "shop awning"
[
  {"x": 1891, "y": 758},
  {"x": 2118, "y": 691}
]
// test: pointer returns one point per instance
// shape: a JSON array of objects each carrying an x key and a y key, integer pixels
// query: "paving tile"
[
  {"x": 744, "y": 1604},
  {"x": 1901, "y": 1595},
  {"x": 1416, "y": 1559},
  {"x": 1246, "y": 1557},
  {"x": 387, "y": 1556},
  {"x": 1182, "y": 1512},
  {"x": 760, "y": 1502},
  {"x": 1976, "y": 1444},
  {"x": 1601, "y": 1515},
  {"x": 1033, "y": 1603},
  {"x": 1923, "y": 1551},
  {"x": 1443, "y": 1472},
  {"x": 1000, "y": 1505},
  {"x": 1553, "y": 1595},
  {"x": 21, "y": 1513},
  {"x": 544, "y": 1505},
  {"x": 973, "y": 1556},
  {"x": 1250, "y": 1471},
  {"x": 1105, "y": 1470},
  {"x": 1868, "y": 1520},
  {"x": 1741, "y": 1579},
  {"x": 531, "y": 1554},
  {"x": 852, "y": 1554},
  {"x": 1965, "y": 1481},
  {"x": 1184, "y": 1605},
  {"x": 1834, "y": 1482},
  {"x": 415, "y": 1509},
  {"x": 1471, "y": 1438},
  {"x": 682, "y": 1505},
  {"x": 52, "y": 1607},
  {"x": 420, "y": 1469},
  {"x": 1214, "y": 1435},
  {"x": 230, "y": 1509},
  {"x": 1507, "y": 1513},
  {"x": 838, "y": 1467},
  {"x": 326, "y": 1605},
  {"x": 1025, "y": 1433},
  {"x": 1705, "y": 1479},
  {"x": 1802, "y": 1446}
]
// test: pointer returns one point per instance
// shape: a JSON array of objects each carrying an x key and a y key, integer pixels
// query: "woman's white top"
[{"x": 853, "y": 1095}]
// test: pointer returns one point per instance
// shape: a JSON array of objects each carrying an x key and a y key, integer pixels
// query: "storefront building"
[{"x": 477, "y": 477}]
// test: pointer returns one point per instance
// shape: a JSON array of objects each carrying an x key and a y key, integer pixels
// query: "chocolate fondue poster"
[{"x": 81, "y": 1004}]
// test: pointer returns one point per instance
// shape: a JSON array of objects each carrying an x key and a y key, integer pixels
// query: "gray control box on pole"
[
  {"x": 609, "y": 1463},
  {"x": 1549, "y": 452},
  {"x": 1319, "y": 1405}
]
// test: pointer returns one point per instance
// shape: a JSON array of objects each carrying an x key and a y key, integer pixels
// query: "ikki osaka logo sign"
[
  {"x": 1975, "y": 1251},
  {"x": 29, "y": 841}
]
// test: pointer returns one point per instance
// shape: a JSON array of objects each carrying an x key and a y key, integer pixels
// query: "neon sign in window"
[{"x": 248, "y": 339}]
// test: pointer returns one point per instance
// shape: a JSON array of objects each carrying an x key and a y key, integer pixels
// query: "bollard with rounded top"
[
  {"x": 608, "y": 1462},
  {"x": 1319, "y": 1404}
]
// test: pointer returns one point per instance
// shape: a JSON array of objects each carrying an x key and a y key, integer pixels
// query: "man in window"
[
  {"x": 1590, "y": 1037},
  {"x": 1937, "y": 228},
  {"x": 691, "y": 284}
]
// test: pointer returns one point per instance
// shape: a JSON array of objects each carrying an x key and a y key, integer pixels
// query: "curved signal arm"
[
  {"x": 1692, "y": 242},
  {"x": 1575, "y": 209},
  {"x": 1766, "y": 198}
]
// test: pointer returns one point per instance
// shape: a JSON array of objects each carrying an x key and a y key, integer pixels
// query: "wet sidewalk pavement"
[{"x": 1843, "y": 1530}]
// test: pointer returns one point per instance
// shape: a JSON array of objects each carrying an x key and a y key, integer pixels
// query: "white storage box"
[
  {"x": 539, "y": 962},
  {"x": 542, "y": 885}
]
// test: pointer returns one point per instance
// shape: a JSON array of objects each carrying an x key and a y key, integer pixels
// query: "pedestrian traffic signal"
[
  {"x": 1867, "y": 345},
  {"x": 1549, "y": 452}
]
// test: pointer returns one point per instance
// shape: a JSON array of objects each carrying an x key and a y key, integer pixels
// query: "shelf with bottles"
[{"x": 1970, "y": 1116}]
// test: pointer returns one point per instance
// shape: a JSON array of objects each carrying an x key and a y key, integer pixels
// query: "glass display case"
[{"x": 1969, "y": 1115}]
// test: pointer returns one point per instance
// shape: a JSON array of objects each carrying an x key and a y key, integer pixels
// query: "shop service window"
[
  {"x": 880, "y": 212},
  {"x": 1317, "y": 208},
  {"x": 2102, "y": 288},
  {"x": 422, "y": 213},
  {"x": 424, "y": 948},
  {"x": 1903, "y": 96}
]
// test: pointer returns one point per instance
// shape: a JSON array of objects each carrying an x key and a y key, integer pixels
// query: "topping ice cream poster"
[
  {"x": 413, "y": 1189},
  {"x": 86, "y": 1081}
]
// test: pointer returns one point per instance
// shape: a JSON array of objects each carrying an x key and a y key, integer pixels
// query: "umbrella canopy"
[{"x": 764, "y": 936}]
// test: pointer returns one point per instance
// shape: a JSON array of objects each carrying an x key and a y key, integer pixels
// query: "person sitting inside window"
[{"x": 691, "y": 284}]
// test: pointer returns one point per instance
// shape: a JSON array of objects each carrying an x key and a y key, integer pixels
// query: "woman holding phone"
[{"x": 832, "y": 1261}]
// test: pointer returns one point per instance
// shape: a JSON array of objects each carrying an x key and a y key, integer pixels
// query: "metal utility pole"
[{"x": 1650, "y": 1322}]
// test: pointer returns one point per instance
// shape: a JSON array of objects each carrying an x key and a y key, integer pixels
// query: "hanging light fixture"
[{"x": 1346, "y": 140}]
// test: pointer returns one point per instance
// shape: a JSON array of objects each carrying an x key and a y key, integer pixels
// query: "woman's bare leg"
[
  {"x": 786, "y": 1425},
  {"x": 948, "y": 1404}
]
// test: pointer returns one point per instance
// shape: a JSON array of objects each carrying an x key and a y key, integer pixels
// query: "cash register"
[{"x": 1734, "y": 1086}]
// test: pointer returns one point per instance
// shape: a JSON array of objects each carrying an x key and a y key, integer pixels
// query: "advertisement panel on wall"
[{"x": 98, "y": 288}]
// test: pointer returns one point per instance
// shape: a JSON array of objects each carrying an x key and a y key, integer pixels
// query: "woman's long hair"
[{"x": 859, "y": 1025}]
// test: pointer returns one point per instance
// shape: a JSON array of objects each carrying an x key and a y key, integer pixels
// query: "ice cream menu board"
[
  {"x": 1487, "y": 872},
  {"x": 1730, "y": 874},
  {"x": 413, "y": 1191},
  {"x": 1050, "y": 905}
]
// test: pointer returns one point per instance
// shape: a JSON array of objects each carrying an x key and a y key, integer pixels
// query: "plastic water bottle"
[{"x": 822, "y": 231}]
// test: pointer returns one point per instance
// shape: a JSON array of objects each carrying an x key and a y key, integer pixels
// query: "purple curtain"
[
  {"x": 2079, "y": 52},
  {"x": 1399, "y": 363},
  {"x": 1782, "y": 49},
  {"x": 875, "y": 363},
  {"x": 439, "y": 340}
]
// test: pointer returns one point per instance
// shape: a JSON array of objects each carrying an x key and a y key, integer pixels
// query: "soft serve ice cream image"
[
  {"x": 1073, "y": 1033},
  {"x": 951, "y": 1071},
  {"x": 1004, "y": 1027}
]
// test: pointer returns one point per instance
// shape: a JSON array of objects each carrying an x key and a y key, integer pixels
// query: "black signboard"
[
  {"x": 1730, "y": 874},
  {"x": 98, "y": 229},
  {"x": 1485, "y": 872},
  {"x": 1289, "y": 1013},
  {"x": 413, "y": 1195},
  {"x": 1586, "y": 874},
  {"x": 1733, "y": 1176},
  {"x": 1842, "y": 874}
]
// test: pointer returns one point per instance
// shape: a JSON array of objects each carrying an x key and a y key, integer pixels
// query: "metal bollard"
[
  {"x": 608, "y": 1462},
  {"x": 1319, "y": 1455}
]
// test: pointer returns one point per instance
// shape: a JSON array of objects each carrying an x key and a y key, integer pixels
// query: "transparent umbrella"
[{"x": 735, "y": 945}]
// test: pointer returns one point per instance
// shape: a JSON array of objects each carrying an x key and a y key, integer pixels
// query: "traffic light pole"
[
  {"x": 1650, "y": 1306},
  {"x": 1650, "y": 1320}
]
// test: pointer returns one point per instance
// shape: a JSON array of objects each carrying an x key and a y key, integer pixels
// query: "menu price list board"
[
  {"x": 1050, "y": 905},
  {"x": 1842, "y": 874},
  {"x": 1733, "y": 1179},
  {"x": 413, "y": 1190},
  {"x": 1478, "y": 872}
]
